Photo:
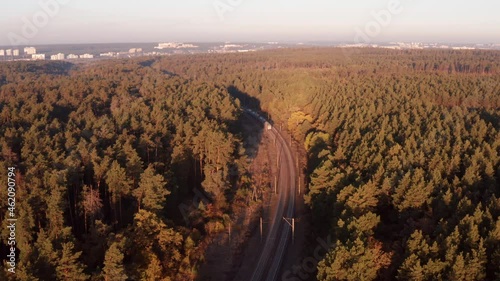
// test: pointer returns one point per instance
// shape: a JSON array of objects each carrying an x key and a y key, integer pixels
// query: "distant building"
[
  {"x": 2, "y": 53},
  {"x": 15, "y": 53},
  {"x": 138, "y": 50},
  {"x": 86, "y": 56},
  {"x": 132, "y": 51},
  {"x": 463, "y": 48},
  {"x": 59, "y": 56},
  {"x": 8, "y": 52},
  {"x": 30, "y": 50},
  {"x": 175, "y": 46},
  {"x": 166, "y": 46},
  {"x": 232, "y": 46},
  {"x": 72, "y": 57},
  {"x": 391, "y": 47},
  {"x": 38, "y": 57},
  {"x": 109, "y": 54}
]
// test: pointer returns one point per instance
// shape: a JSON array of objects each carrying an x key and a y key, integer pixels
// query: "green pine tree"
[
  {"x": 152, "y": 190},
  {"x": 113, "y": 264},
  {"x": 70, "y": 268}
]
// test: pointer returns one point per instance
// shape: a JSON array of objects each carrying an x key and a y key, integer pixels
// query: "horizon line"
[{"x": 253, "y": 42}]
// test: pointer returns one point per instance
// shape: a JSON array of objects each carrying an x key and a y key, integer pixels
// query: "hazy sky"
[{"x": 103, "y": 21}]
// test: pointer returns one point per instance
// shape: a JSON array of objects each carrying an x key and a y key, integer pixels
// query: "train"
[{"x": 266, "y": 123}]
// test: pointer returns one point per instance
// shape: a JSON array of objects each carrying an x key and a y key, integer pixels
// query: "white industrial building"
[
  {"x": 86, "y": 56},
  {"x": 15, "y": 53},
  {"x": 72, "y": 56},
  {"x": 8, "y": 52},
  {"x": 2, "y": 53}
]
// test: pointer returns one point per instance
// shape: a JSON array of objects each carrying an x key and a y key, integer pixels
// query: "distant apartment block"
[
  {"x": 175, "y": 46},
  {"x": 2, "y": 53},
  {"x": 232, "y": 46},
  {"x": 30, "y": 50},
  {"x": 463, "y": 48},
  {"x": 108, "y": 54},
  {"x": 135, "y": 50},
  {"x": 86, "y": 56},
  {"x": 8, "y": 52},
  {"x": 72, "y": 57},
  {"x": 15, "y": 53},
  {"x": 38, "y": 57},
  {"x": 59, "y": 56}
]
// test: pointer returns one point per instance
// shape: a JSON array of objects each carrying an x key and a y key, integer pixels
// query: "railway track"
[{"x": 276, "y": 243}]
